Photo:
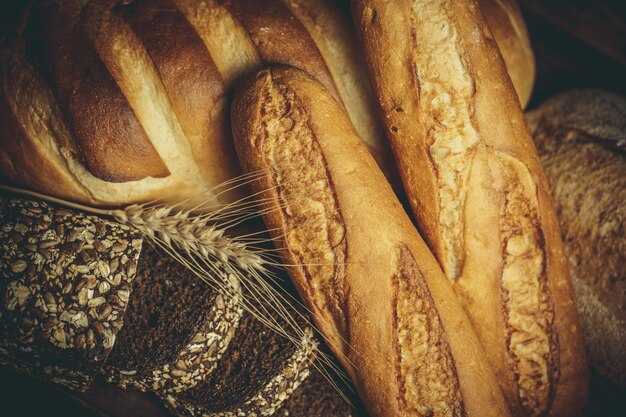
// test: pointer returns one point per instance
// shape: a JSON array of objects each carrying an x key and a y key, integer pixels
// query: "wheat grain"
[{"x": 190, "y": 233}]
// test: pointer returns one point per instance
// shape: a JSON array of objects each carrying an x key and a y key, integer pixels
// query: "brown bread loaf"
[
  {"x": 112, "y": 102},
  {"x": 65, "y": 281},
  {"x": 258, "y": 372},
  {"x": 509, "y": 30},
  {"x": 316, "y": 397},
  {"x": 581, "y": 138},
  {"x": 375, "y": 291},
  {"x": 478, "y": 192},
  {"x": 176, "y": 328}
]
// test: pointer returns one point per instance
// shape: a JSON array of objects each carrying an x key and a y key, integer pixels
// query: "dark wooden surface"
[
  {"x": 22, "y": 396},
  {"x": 600, "y": 24},
  {"x": 578, "y": 44}
]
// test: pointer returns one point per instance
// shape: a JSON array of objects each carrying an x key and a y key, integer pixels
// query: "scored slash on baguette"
[{"x": 478, "y": 192}]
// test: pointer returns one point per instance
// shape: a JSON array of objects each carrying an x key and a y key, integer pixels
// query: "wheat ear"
[{"x": 190, "y": 233}]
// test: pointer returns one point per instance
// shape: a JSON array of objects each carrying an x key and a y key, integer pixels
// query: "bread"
[
  {"x": 316, "y": 397},
  {"x": 478, "y": 193},
  {"x": 112, "y": 102},
  {"x": 176, "y": 328},
  {"x": 65, "y": 280},
  {"x": 375, "y": 291},
  {"x": 69, "y": 280},
  {"x": 581, "y": 138},
  {"x": 257, "y": 373},
  {"x": 509, "y": 30}
]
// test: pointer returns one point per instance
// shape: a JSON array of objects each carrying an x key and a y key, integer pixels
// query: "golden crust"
[
  {"x": 334, "y": 35},
  {"x": 457, "y": 131},
  {"x": 509, "y": 30},
  {"x": 191, "y": 80},
  {"x": 372, "y": 224},
  {"x": 131, "y": 97},
  {"x": 281, "y": 39},
  {"x": 112, "y": 142}
]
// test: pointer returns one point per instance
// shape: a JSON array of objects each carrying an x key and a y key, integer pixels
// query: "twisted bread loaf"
[
  {"x": 112, "y": 102},
  {"x": 375, "y": 290},
  {"x": 478, "y": 192}
]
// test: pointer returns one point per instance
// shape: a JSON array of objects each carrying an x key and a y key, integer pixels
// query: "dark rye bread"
[
  {"x": 258, "y": 372},
  {"x": 316, "y": 397},
  {"x": 176, "y": 328},
  {"x": 581, "y": 139},
  {"x": 65, "y": 280}
]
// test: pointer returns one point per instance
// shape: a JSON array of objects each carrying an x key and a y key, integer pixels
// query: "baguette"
[
  {"x": 478, "y": 192},
  {"x": 509, "y": 30},
  {"x": 376, "y": 292}
]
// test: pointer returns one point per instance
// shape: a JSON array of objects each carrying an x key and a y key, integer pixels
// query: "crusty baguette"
[
  {"x": 478, "y": 192},
  {"x": 376, "y": 292},
  {"x": 334, "y": 36},
  {"x": 509, "y": 30},
  {"x": 581, "y": 139}
]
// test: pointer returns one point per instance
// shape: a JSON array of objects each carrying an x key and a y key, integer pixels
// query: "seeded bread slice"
[
  {"x": 316, "y": 397},
  {"x": 176, "y": 329},
  {"x": 258, "y": 372},
  {"x": 65, "y": 280}
]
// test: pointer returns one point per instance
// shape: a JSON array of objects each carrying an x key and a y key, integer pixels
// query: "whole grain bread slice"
[
  {"x": 255, "y": 376},
  {"x": 317, "y": 397},
  {"x": 177, "y": 327},
  {"x": 65, "y": 280}
]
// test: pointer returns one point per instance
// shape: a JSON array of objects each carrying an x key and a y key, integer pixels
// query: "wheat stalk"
[{"x": 190, "y": 233}]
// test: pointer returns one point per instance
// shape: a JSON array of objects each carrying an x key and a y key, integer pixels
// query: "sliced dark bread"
[
  {"x": 65, "y": 280},
  {"x": 176, "y": 328},
  {"x": 316, "y": 397},
  {"x": 258, "y": 372}
]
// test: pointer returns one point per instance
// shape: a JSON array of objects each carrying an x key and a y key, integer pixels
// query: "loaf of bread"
[
  {"x": 69, "y": 280},
  {"x": 509, "y": 30},
  {"x": 316, "y": 397},
  {"x": 111, "y": 102},
  {"x": 374, "y": 289},
  {"x": 581, "y": 138},
  {"x": 259, "y": 371},
  {"x": 176, "y": 328},
  {"x": 478, "y": 193},
  {"x": 65, "y": 280}
]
